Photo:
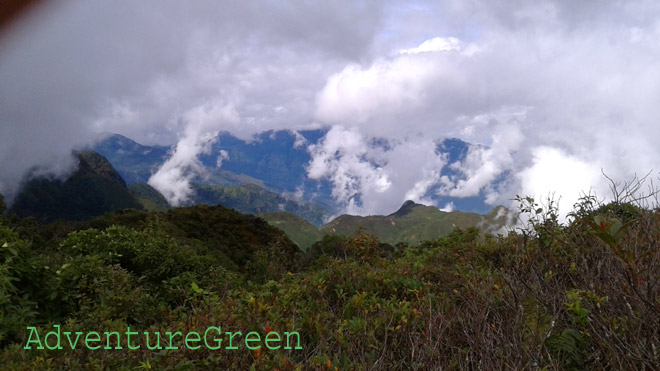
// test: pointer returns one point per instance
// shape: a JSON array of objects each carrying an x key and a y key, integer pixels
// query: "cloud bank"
[{"x": 549, "y": 92}]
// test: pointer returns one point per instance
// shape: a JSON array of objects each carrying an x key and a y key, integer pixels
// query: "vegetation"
[{"x": 581, "y": 295}]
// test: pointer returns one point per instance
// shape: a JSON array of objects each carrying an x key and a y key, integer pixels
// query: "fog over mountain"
[{"x": 549, "y": 92}]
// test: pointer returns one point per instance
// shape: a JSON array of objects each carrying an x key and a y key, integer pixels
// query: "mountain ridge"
[{"x": 411, "y": 224}]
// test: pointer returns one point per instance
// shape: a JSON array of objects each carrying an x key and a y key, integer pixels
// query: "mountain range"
[
  {"x": 273, "y": 160},
  {"x": 257, "y": 177},
  {"x": 411, "y": 224}
]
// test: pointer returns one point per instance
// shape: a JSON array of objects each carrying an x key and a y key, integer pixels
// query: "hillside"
[
  {"x": 149, "y": 198},
  {"x": 252, "y": 199},
  {"x": 414, "y": 223},
  {"x": 581, "y": 296},
  {"x": 411, "y": 224},
  {"x": 300, "y": 231},
  {"x": 135, "y": 162},
  {"x": 93, "y": 189}
]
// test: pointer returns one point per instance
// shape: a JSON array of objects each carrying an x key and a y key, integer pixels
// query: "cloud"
[
  {"x": 482, "y": 165},
  {"x": 222, "y": 156},
  {"x": 386, "y": 91},
  {"x": 561, "y": 176},
  {"x": 372, "y": 177},
  {"x": 74, "y": 69},
  {"x": 449, "y": 207},
  {"x": 173, "y": 178},
  {"x": 435, "y": 44},
  {"x": 341, "y": 157},
  {"x": 530, "y": 84}
]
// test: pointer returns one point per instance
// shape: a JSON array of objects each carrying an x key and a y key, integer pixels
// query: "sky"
[{"x": 554, "y": 93}]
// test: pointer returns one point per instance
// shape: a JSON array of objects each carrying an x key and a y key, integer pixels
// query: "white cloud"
[
  {"x": 342, "y": 158},
  {"x": 449, "y": 207},
  {"x": 222, "y": 156},
  {"x": 300, "y": 140},
  {"x": 173, "y": 178},
  {"x": 436, "y": 44},
  {"x": 375, "y": 178},
  {"x": 556, "y": 174},
  {"x": 483, "y": 165},
  {"x": 531, "y": 83},
  {"x": 362, "y": 95}
]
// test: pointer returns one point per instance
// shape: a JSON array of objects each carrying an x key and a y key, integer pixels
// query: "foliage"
[{"x": 580, "y": 295}]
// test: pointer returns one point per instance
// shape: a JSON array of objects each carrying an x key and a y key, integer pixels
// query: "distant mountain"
[
  {"x": 252, "y": 199},
  {"x": 278, "y": 158},
  {"x": 135, "y": 162},
  {"x": 232, "y": 185},
  {"x": 92, "y": 190},
  {"x": 271, "y": 161},
  {"x": 276, "y": 161},
  {"x": 412, "y": 223}
]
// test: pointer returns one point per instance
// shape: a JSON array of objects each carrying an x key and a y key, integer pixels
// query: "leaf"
[{"x": 615, "y": 227}]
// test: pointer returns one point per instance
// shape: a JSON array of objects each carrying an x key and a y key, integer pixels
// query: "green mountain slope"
[
  {"x": 412, "y": 223},
  {"x": 300, "y": 231},
  {"x": 240, "y": 241},
  {"x": 252, "y": 199},
  {"x": 93, "y": 189},
  {"x": 149, "y": 198}
]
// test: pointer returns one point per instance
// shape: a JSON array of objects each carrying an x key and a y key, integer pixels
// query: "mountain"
[
  {"x": 277, "y": 158},
  {"x": 236, "y": 240},
  {"x": 276, "y": 161},
  {"x": 411, "y": 224},
  {"x": 135, "y": 162},
  {"x": 414, "y": 223},
  {"x": 149, "y": 198},
  {"x": 233, "y": 185},
  {"x": 272, "y": 160},
  {"x": 92, "y": 190},
  {"x": 252, "y": 199}
]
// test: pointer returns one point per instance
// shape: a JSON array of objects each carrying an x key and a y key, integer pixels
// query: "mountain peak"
[
  {"x": 95, "y": 162},
  {"x": 406, "y": 208},
  {"x": 92, "y": 190}
]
